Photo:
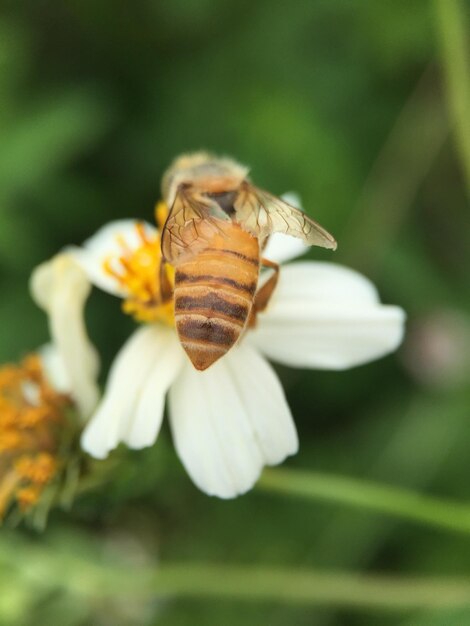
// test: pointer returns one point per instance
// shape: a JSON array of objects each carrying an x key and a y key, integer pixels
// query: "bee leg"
[
  {"x": 166, "y": 288},
  {"x": 264, "y": 293}
]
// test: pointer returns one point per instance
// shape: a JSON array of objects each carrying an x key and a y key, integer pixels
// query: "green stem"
[
  {"x": 395, "y": 501},
  {"x": 451, "y": 24},
  {"x": 342, "y": 590},
  {"x": 44, "y": 567}
]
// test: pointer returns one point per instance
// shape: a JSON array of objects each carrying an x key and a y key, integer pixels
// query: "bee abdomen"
[
  {"x": 197, "y": 328},
  {"x": 209, "y": 321},
  {"x": 213, "y": 304},
  {"x": 218, "y": 282},
  {"x": 213, "y": 300}
]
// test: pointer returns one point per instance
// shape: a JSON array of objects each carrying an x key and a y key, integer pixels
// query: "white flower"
[
  {"x": 231, "y": 420},
  {"x": 61, "y": 288}
]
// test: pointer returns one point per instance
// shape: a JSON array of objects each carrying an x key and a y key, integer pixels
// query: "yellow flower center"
[
  {"x": 140, "y": 273},
  {"x": 32, "y": 415}
]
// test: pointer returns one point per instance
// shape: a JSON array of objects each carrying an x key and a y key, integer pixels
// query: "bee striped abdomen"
[{"x": 214, "y": 293}]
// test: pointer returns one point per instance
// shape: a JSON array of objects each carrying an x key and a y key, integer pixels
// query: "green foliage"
[{"x": 339, "y": 101}]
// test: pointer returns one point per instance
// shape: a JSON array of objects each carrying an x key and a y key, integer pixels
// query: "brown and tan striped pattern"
[{"x": 214, "y": 293}]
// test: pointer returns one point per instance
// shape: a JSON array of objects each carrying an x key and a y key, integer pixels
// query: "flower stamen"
[{"x": 139, "y": 273}]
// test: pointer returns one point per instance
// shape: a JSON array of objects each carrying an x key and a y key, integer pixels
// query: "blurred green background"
[{"x": 346, "y": 103}]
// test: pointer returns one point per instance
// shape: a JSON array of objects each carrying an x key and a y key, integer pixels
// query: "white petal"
[
  {"x": 293, "y": 198},
  {"x": 265, "y": 403},
  {"x": 61, "y": 288},
  {"x": 54, "y": 368},
  {"x": 146, "y": 423},
  {"x": 106, "y": 244},
  {"x": 132, "y": 407},
  {"x": 328, "y": 317},
  {"x": 229, "y": 421},
  {"x": 280, "y": 247}
]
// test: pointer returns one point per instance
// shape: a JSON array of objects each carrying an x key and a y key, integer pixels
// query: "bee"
[{"x": 217, "y": 227}]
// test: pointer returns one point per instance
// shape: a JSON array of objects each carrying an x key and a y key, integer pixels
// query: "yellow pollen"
[
  {"x": 139, "y": 272},
  {"x": 28, "y": 496},
  {"x": 11, "y": 440},
  {"x": 32, "y": 415},
  {"x": 161, "y": 214},
  {"x": 39, "y": 469}
]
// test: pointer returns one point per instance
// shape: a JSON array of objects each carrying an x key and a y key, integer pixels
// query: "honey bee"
[{"x": 216, "y": 230}]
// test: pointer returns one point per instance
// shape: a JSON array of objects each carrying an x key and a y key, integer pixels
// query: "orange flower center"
[
  {"x": 32, "y": 415},
  {"x": 140, "y": 273}
]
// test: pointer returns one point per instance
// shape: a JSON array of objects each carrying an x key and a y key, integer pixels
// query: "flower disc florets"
[
  {"x": 140, "y": 273},
  {"x": 32, "y": 422}
]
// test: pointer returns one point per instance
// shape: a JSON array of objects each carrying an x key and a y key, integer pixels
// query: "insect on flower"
[
  {"x": 188, "y": 277},
  {"x": 217, "y": 229}
]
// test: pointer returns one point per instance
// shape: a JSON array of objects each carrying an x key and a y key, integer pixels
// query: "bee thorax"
[{"x": 205, "y": 171}]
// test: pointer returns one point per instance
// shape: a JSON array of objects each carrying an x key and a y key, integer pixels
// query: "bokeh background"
[{"x": 346, "y": 103}]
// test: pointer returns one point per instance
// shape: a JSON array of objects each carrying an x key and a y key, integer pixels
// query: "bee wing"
[
  {"x": 262, "y": 214},
  {"x": 193, "y": 220}
]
